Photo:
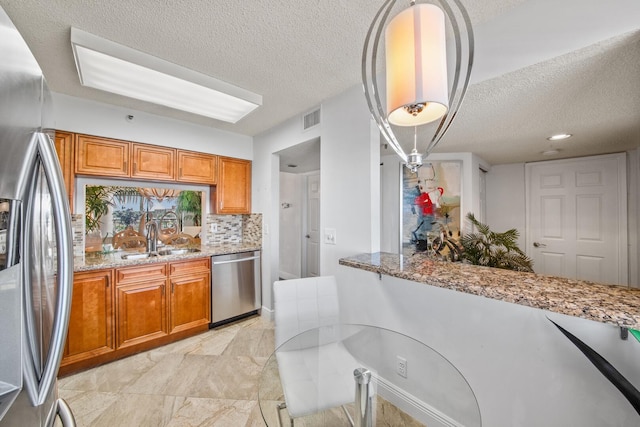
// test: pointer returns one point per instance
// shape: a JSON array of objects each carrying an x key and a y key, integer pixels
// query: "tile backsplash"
[
  {"x": 233, "y": 229},
  {"x": 77, "y": 229}
]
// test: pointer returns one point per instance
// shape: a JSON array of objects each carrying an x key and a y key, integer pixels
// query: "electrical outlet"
[
  {"x": 401, "y": 367},
  {"x": 213, "y": 227}
]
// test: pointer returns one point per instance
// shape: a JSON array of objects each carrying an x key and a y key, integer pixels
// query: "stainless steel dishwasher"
[{"x": 235, "y": 286}]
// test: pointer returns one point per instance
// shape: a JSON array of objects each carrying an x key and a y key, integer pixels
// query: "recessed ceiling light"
[
  {"x": 550, "y": 152},
  {"x": 108, "y": 66},
  {"x": 559, "y": 136}
]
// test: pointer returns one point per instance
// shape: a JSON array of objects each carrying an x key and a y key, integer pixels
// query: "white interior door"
[
  {"x": 577, "y": 218},
  {"x": 313, "y": 226}
]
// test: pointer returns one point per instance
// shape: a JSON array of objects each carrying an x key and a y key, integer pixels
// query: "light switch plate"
[{"x": 330, "y": 236}]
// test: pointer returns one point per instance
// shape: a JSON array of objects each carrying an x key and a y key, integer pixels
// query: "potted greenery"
[{"x": 491, "y": 249}]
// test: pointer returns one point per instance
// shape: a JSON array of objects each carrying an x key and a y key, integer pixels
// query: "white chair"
[{"x": 315, "y": 375}]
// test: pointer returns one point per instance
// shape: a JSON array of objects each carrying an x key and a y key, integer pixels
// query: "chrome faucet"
[{"x": 152, "y": 236}]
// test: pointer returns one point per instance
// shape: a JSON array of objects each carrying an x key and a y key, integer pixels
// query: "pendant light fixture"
[{"x": 415, "y": 63}]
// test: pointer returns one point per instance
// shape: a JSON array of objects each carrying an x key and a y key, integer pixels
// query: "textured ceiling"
[{"x": 541, "y": 67}]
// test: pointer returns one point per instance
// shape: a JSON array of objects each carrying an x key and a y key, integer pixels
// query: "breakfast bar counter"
[{"x": 612, "y": 304}]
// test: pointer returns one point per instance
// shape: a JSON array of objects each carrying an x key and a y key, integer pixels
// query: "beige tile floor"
[
  {"x": 210, "y": 380},
  {"x": 207, "y": 380}
]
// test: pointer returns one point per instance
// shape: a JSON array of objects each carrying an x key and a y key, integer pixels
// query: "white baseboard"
[
  {"x": 413, "y": 406},
  {"x": 266, "y": 313}
]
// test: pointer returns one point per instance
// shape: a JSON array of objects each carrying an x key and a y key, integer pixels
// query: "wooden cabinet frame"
[
  {"x": 91, "y": 323},
  {"x": 119, "y": 312},
  {"x": 232, "y": 195}
]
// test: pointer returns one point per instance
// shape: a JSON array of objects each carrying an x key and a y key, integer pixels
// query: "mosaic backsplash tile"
[
  {"x": 77, "y": 229},
  {"x": 233, "y": 229}
]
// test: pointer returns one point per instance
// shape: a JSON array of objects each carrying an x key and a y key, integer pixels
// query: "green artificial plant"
[{"x": 491, "y": 249}]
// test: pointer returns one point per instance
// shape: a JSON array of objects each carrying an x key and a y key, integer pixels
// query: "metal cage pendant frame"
[{"x": 458, "y": 19}]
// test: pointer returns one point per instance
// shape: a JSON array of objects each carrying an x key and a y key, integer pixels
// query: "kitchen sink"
[
  {"x": 177, "y": 251},
  {"x": 138, "y": 255}
]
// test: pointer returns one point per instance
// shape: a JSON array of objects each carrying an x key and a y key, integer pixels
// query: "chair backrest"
[{"x": 303, "y": 304}]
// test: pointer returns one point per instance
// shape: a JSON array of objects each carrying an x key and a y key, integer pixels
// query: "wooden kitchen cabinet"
[
  {"x": 141, "y": 304},
  {"x": 102, "y": 156},
  {"x": 233, "y": 191},
  {"x": 190, "y": 294},
  {"x": 120, "y": 312},
  {"x": 153, "y": 162},
  {"x": 197, "y": 168},
  {"x": 91, "y": 326},
  {"x": 64, "y": 145}
]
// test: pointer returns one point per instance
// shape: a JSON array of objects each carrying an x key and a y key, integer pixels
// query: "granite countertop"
[
  {"x": 613, "y": 304},
  {"x": 99, "y": 261}
]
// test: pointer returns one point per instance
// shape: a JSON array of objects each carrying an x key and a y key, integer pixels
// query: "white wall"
[
  {"x": 506, "y": 199},
  {"x": 290, "y": 238},
  {"x": 349, "y": 179},
  {"x": 469, "y": 202},
  {"x": 523, "y": 371},
  {"x": 506, "y": 205},
  {"x": 95, "y": 118}
]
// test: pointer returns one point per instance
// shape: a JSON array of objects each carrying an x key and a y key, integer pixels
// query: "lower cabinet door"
[
  {"x": 142, "y": 313},
  {"x": 190, "y": 302},
  {"x": 91, "y": 320}
]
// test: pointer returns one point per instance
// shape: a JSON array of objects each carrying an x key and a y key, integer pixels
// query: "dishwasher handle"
[{"x": 236, "y": 260}]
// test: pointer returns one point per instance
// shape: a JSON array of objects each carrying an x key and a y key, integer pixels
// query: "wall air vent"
[{"x": 311, "y": 119}]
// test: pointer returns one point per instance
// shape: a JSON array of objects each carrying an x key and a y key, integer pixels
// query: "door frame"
[
  {"x": 305, "y": 210},
  {"x": 623, "y": 253}
]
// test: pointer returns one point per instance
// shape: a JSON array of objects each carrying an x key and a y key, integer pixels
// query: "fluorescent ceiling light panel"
[{"x": 114, "y": 68}]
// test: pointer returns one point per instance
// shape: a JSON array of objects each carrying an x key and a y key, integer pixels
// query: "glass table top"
[{"x": 411, "y": 383}]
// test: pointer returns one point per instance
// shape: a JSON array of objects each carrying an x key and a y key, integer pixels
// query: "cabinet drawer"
[
  {"x": 141, "y": 273},
  {"x": 200, "y": 265}
]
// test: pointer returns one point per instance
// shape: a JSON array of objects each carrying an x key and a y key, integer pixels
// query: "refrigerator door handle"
[
  {"x": 40, "y": 388},
  {"x": 65, "y": 414}
]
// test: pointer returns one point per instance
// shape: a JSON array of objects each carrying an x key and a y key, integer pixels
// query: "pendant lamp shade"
[{"x": 416, "y": 66}]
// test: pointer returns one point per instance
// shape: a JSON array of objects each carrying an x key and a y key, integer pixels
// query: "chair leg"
[
  {"x": 344, "y": 408},
  {"x": 280, "y": 407}
]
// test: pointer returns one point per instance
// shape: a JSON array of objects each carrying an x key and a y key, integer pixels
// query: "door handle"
[
  {"x": 307, "y": 236},
  {"x": 65, "y": 414},
  {"x": 539, "y": 245}
]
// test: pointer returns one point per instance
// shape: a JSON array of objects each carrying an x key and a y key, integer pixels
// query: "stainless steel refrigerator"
[{"x": 36, "y": 256}]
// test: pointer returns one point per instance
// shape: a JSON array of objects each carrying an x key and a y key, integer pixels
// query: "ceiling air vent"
[{"x": 311, "y": 119}]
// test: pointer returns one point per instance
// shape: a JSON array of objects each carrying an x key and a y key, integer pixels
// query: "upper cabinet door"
[
  {"x": 102, "y": 156},
  {"x": 64, "y": 149},
  {"x": 152, "y": 162},
  {"x": 197, "y": 168},
  {"x": 233, "y": 192}
]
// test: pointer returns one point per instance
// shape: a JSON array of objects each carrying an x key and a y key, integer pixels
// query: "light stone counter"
[
  {"x": 617, "y": 305},
  {"x": 114, "y": 259}
]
